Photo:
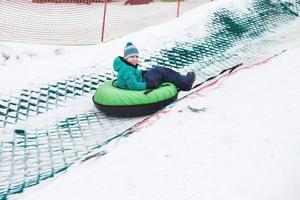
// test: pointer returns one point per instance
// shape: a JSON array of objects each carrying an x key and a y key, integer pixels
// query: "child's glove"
[
  {"x": 143, "y": 72},
  {"x": 152, "y": 85}
]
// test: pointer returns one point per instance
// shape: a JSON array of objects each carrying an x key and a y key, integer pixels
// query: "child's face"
[{"x": 133, "y": 60}]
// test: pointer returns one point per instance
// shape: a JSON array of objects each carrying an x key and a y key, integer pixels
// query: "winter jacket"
[{"x": 129, "y": 77}]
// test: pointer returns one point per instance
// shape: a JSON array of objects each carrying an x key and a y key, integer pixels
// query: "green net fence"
[{"x": 29, "y": 155}]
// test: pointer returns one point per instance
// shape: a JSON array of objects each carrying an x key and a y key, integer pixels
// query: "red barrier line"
[
  {"x": 155, "y": 117},
  {"x": 235, "y": 71}
]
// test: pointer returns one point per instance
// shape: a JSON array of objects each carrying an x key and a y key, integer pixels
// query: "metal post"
[
  {"x": 178, "y": 6},
  {"x": 103, "y": 21}
]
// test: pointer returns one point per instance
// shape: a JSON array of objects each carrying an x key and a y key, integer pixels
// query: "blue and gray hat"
[{"x": 130, "y": 50}]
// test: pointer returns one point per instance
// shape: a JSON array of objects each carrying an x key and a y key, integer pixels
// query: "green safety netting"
[{"x": 29, "y": 155}]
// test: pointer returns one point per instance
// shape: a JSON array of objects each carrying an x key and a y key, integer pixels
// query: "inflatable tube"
[{"x": 128, "y": 103}]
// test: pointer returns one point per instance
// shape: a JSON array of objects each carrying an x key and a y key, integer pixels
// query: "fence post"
[
  {"x": 178, "y": 6},
  {"x": 103, "y": 21}
]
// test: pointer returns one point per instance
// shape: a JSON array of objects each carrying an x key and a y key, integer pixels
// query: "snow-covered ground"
[{"x": 238, "y": 139}]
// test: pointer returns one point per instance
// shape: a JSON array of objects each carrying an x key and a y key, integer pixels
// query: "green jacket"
[{"x": 129, "y": 77}]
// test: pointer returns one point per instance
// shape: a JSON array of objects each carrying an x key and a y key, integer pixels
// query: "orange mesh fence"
[
  {"x": 70, "y": 1},
  {"x": 80, "y": 22}
]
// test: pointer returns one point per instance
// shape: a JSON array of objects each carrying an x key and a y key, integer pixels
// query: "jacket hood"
[{"x": 120, "y": 62}]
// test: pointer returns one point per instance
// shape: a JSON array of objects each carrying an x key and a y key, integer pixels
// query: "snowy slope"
[
  {"x": 236, "y": 140},
  {"x": 242, "y": 144}
]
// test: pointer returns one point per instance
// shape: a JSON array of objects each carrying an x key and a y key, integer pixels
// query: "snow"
[
  {"x": 237, "y": 139},
  {"x": 245, "y": 145}
]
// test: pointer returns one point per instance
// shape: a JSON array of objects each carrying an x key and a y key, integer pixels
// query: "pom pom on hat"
[{"x": 130, "y": 50}]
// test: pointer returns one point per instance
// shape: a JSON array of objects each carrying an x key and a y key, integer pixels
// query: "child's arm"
[{"x": 133, "y": 84}]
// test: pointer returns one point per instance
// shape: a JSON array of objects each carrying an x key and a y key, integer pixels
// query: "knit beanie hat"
[{"x": 130, "y": 50}]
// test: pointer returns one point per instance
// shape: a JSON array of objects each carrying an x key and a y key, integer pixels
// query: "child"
[{"x": 129, "y": 77}]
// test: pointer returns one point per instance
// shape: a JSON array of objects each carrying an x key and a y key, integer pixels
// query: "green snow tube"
[{"x": 128, "y": 103}]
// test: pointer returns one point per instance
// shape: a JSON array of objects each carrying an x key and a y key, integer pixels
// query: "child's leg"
[
  {"x": 154, "y": 74},
  {"x": 163, "y": 74},
  {"x": 183, "y": 82}
]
